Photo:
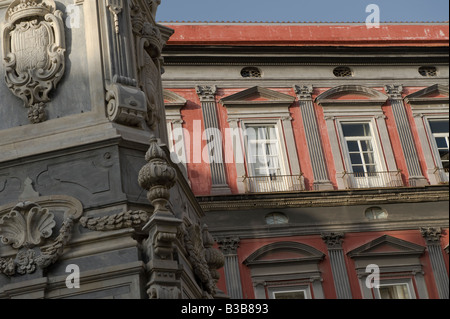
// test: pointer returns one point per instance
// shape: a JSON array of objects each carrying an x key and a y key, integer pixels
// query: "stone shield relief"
[{"x": 33, "y": 53}]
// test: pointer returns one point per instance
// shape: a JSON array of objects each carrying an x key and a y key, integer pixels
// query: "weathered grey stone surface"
[
  {"x": 91, "y": 175},
  {"x": 72, "y": 95},
  {"x": 93, "y": 184}
]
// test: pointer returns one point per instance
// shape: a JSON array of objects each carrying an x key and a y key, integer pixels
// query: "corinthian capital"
[
  {"x": 304, "y": 92},
  {"x": 206, "y": 93},
  {"x": 333, "y": 240},
  {"x": 229, "y": 245},
  {"x": 394, "y": 91},
  {"x": 432, "y": 235}
]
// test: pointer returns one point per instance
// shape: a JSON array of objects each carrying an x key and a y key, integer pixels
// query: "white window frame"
[
  {"x": 284, "y": 164},
  {"x": 432, "y": 140},
  {"x": 272, "y": 291},
  {"x": 333, "y": 118},
  {"x": 276, "y": 109},
  {"x": 262, "y": 184},
  {"x": 428, "y": 142},
  {"x": 424, "y": 109},
  {"x": 396, "y": 282},
  {"x": 381, "y": 164}
]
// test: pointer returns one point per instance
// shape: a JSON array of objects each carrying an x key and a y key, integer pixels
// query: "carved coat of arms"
[{"x": 33, "y": 52}]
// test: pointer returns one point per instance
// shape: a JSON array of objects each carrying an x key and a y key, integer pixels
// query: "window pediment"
[
  {"x": 435, "y": 94},
  {"x": 173, "y": 100},
  {"x": 258, "y": 96},
  {"x": 387, "y": 246},
  {"x": 351, "y": 95},
  {"x": 284, "y": 252}
]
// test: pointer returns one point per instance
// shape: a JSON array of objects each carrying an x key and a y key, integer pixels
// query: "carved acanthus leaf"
[{"x": 333, "y": 240}]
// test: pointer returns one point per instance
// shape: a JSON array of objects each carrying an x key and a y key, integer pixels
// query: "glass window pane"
[
  {"x": 395, "y": 292},
  {"x": 369, "y": 158},
  {"x": 443, "y": 154},
  {"x": 366, "y": 146},
  {"x": 356, "y": 158},
  {"x": 356, "y": 129},
  {"x": 439, "y": 126},
  {"x": 441, "y": 142},
  {"x": 353, "y": 146},
  {"x": 290, "y": 295},
  {"x": 371, "y": 168},
  {"x": 263, "y": 150},
  {"x": 358, "y": 170}
]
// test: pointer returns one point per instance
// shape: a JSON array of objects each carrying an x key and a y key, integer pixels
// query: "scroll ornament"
[{"x": 33, "y": 52}]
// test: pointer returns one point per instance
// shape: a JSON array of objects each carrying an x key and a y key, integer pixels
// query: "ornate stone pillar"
[
  {"x": 433, "y": 236},
  {"x": 158, "y": 177},
  {"x": 337, "y": 259},
  {"x": 416, "y": 177},
  {"x": 321, "y": 179},
  {"x": 229, "y": 246},
  {"x": 211, "y": 123}
]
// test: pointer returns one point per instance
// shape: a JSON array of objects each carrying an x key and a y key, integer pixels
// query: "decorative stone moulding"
[
  {"x": 29, "y": 228},
  {"x": 126, "y": 103},
  {"x": 33, "y": 52}
]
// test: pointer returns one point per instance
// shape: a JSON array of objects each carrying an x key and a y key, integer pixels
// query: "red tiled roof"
[{"x": 309, "y": 34}]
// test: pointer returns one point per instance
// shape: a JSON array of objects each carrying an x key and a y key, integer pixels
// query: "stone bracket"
[{"x": 126, "y": 105}]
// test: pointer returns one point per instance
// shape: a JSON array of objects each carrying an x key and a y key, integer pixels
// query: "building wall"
[{"x": 214, "y": 54}]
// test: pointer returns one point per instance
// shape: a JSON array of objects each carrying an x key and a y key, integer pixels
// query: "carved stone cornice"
[
  {"x": 229, "y": 245},
  {"x": 357, "y": 197},
  {"x": 432, "y": 235},
  {"x": 206, "y": 93},
  {"x": 304, "y": 92},
  {"x": 394, "y": 91},
  {"x": 333, "y": 240}
]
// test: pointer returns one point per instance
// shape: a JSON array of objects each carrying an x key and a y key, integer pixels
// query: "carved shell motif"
[{"x": 26, "y": 225}]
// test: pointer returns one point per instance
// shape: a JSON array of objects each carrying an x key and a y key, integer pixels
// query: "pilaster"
[
  {"x": 321, "y": 179},
  {"x": 416, "y": 177},
  {"x": 229, "y": 246},
  {"x": 433, "y": 236},
  {"x": 211, "y": 122},
  {"x": 338, "y": 266}
]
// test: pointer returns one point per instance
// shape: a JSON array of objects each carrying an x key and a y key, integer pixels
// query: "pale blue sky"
[{"x": 302, "y": 10}]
